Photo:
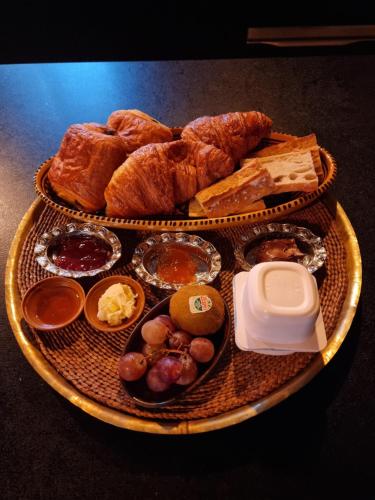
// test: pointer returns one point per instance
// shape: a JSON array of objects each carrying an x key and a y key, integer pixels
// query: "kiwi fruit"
[{"x": 197, "y": 309}]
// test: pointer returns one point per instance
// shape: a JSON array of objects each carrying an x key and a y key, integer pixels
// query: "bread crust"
[
  {"x": 196, "y": 209},
  {"x": 301, "y": 144},
  {"x": 236, "y": 193}
]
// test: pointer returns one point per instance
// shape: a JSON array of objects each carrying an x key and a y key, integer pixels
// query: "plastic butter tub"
[{"x": 277, "y": 307}]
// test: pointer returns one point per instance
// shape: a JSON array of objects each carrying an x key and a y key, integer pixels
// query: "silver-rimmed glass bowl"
[
  {"x": 310, "y": 245},
  {"x": 178, "y": 252},
  {"x": 102, "y": 238}
]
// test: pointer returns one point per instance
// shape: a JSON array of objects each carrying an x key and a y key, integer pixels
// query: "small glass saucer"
[
  {"x": 310, "y": 245},
  {"x": 48, "y": 241},
  {"x": 172, "y": 260}
]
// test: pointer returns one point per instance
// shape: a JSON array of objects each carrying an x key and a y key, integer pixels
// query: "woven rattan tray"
[
  {"x": 281, "y": 207},
  {"x": 81, "y": 364}
]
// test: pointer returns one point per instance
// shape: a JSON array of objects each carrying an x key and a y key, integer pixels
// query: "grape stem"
[{"x": 164, "y": 351}]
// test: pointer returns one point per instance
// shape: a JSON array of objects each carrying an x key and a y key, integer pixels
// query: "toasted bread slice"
[
  {"x": 296, "y": 143},
  {"x": 301, "y": 144},
  {"x": 237, "y": 192},
  {"x": 290, "y": 171},
  {"x": 196, "y": 210}
]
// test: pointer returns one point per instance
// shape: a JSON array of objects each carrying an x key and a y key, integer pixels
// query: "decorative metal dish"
[
  {"x": 172, "y": 260},
  {"x": 277, "y": 207},
  {"x": 139, "y": 391},
  {"x": 311, "y": 252},
  {"x": 48, "y": 255}
]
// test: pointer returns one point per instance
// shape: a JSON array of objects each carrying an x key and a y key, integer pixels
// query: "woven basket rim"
[{"x": 192, "y": 224}]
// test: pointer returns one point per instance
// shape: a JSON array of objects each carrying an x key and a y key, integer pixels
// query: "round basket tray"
[
  {"x": 340, "y": 294},
  {"x": 282, "y": 206}
]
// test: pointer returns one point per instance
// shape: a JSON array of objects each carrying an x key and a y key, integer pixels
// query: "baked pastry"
[
  {"x": 235, "y": 133},
  {"x": 236, "y": 193},
  {"x": 137, "y": 129},
  {"x": 80, "y": 171},
  {"x": 301, "y": 144},
  {"x": 290, "y": 171},
  {"x": 157, "y": 177},
  {"x": 196, "y": 209}
]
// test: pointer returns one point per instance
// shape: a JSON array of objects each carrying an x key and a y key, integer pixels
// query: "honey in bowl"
[
  {"x": 55, "y": 306},
  {"x": 53, "y": 303}
]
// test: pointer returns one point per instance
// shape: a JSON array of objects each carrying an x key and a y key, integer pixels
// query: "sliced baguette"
[
  {"x": 301, "y": 144},
  {"x": 290, "y": 171},
  {"x": 196, "y": 210},
  {"x": 236, "y": 193}
]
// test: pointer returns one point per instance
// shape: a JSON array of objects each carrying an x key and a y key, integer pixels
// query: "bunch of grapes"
[{"x": 169, "y": 356}]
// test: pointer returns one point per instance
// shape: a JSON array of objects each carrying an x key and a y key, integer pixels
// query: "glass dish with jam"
[
  {"x": 77, "y": 250},
  {"x": 280, "y": 242},
  {"x": 172, "y": 260}
]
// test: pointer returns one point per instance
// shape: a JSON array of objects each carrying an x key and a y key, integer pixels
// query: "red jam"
[
  {"x": 77, "y": 252},
  {"x": 176, "y": 265}
]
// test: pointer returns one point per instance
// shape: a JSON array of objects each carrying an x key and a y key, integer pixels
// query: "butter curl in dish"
[{"x": 114, "y": 303}]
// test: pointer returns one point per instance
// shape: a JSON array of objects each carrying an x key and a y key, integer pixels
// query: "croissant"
[
  {"x": 157, "y": 177},
  {"x": 138, "y": 129},
  {"x": 88, "y": 156},
  {"x": 235, "y": 133}
]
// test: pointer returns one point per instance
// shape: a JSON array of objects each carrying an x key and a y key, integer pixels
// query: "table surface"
[{"x": 318, "y": 441}]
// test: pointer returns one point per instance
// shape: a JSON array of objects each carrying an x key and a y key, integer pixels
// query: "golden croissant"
[
  {"x": 235, "y": 133},
  {"x": 157, "y": 177},
  {"x": 80, "y": 171},
  {"x": 90, "y": 153},
  {"x": 137, "y": 129}
]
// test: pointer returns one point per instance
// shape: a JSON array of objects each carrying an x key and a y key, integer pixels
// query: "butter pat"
[{"x": 116, "y": 304}]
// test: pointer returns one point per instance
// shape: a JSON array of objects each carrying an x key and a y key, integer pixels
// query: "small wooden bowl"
[
  {"x": 53, "y": 303},
  {"x": 92, "y": 299}
]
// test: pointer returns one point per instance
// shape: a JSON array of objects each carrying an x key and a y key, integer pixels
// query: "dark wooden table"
[{"x": 317, "y": 443}]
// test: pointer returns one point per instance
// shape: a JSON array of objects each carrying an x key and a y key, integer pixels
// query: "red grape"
[
  {"x": 169, "y": 369},
  {"x": 202, "y": 349},
  {"x": 154, "y": 382},
  {"x": 132, "y": 366},
  {"x": 189, "y": 370},
  {"x": 179, "y": 340},
  {"x": 154, "y": 332},
  {"x": 166, "y": 320}
]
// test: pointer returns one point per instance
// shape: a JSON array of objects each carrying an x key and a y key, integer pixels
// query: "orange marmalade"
[{"x": 176, "y": 265}]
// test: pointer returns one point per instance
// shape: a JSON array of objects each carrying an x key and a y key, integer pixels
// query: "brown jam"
[
  {"x": 78, "y": 252},
  {"x": 176, "y": 265},
  {"x": 278, "y": 249},
  {"x": 55, "y": 306}
]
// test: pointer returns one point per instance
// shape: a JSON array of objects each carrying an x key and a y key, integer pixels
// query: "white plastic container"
[
  {"x": 277, "y": 307},
  {"x": 283, "y": 300}
]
